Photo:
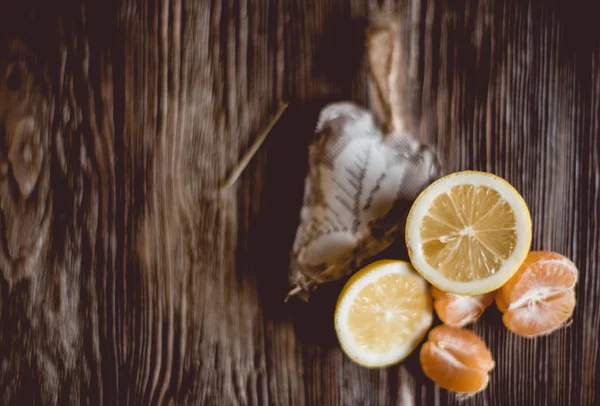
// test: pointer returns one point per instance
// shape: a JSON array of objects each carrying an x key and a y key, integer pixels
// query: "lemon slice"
[
  {"x": 382, "y": 314},
  {"x": 468, "y": 232}
]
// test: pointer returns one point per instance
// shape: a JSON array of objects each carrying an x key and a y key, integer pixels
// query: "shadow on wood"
[
  {"x": 341, "y": 53},
  {"x": 271, "y": 235}
]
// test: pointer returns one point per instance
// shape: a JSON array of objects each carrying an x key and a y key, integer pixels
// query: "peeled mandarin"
[
  {"x": 456, "y": 359},
  {"x": 540, "y": 297},
  {"x": 459, "y": 310}
]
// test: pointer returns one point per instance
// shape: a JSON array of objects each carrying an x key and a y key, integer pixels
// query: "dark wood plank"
[{"x": 126, "y": 277}]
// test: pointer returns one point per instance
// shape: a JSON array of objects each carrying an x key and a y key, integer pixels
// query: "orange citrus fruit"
[
  {"x": 456, "y": 359},
  {"x": 458, "y": 310},
  {"x": 540, "y": 297}
]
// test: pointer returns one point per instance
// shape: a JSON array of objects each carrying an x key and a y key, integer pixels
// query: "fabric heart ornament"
[{"x": 364, "y": 169}]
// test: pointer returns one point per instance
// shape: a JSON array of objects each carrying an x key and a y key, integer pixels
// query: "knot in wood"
[
  {"x": 25, "y": 154},
  {"x": 24, "y": 192},
  {"x": 23, "y": 116}
]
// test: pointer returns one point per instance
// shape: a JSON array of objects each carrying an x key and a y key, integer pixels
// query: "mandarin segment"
[
  {"x": 456, "y": 359},
  {"x": 450, "y": 374},
  {"x": 501, "y": 302},
  {"x": 536, "y": 257},
  {"x": 541, "y": 318},
  {"x": 540, "y": 297},
  {"x": 464, "y": 345},
  {"x": 545, "y": 273},
  {"x": 458, "y": 310}
]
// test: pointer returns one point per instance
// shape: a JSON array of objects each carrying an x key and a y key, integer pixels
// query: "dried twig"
[{"x": 243, "y": 163}]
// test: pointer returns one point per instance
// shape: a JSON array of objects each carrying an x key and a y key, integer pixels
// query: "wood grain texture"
[{"x": 127, "y": 278}]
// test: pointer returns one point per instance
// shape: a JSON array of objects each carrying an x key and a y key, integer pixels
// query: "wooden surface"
[{"x": 126, "y": 278}]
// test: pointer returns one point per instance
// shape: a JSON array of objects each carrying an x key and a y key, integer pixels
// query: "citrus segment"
[
  {"x": 542, "y": 317},
  {"x": 501, "y": 303},
  {"x": 540, "y": 297},
  {"x": 468, "y": 232},
  {"x": 456, "y": 359},
  {"x": 383, "y": 313},
  {"x": 458, "y": 310}
]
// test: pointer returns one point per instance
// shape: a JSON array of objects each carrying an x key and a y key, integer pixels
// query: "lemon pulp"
[
  {"x": 468, "y": 232},
  {"x": 386, "y": 312},
  {"x": 382, "y": 313}
]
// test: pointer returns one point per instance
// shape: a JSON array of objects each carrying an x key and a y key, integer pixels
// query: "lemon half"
[
  {"x": 382, "y": 313},
  {"x": 468, "y": 232}
]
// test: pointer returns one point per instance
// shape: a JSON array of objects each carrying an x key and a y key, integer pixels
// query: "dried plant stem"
[
  {"x": 243, "y": 163},
  {"x": 293, "y": 293},
  {"x": 387, "y": 76}
]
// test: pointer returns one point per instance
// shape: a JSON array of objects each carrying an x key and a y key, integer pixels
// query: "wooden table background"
[{"x": 126, "y": 278}]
